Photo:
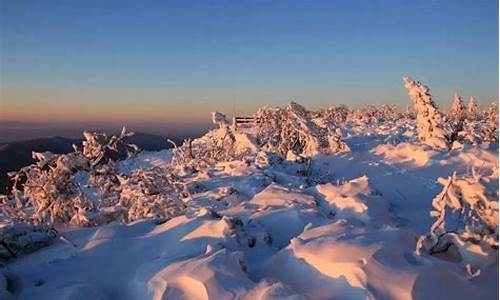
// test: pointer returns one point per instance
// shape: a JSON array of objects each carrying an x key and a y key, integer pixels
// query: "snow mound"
[
  {"x": 346, "y": 200},
  {"x": 199, "y": 278},
  {"x": 411, "y": 155},
  {"x": 277, "y": 195},
  {"x": 340, "y": 260}
]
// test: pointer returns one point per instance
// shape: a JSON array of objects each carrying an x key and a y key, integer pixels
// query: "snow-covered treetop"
[
  {"x": 418, "y": 92},
  {"x": 472, "y": 107},
  {"x": 457, "y": 107},
  {"x": 429, "y": 119},
  {"x": 98, "y": 147}
]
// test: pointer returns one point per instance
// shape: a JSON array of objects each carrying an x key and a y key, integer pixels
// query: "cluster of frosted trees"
[
  {"x": 464, "y": 125},
  {"x": 63, "y": 188},
  {"x": 85, "y": 188},
  {"x": 466, "y": 210},
  {"x": 291, "y": 130}
]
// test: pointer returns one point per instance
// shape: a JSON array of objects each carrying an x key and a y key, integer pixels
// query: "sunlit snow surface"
[{"x": 267, "y": 233}]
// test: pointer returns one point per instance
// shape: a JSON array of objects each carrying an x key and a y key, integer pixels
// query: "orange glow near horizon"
[{"x": 54, "y": 107}]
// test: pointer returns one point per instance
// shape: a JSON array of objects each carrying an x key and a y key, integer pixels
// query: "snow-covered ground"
[
  {"x": 268, "y": 232},
  {"x": 369, "y": 203}
]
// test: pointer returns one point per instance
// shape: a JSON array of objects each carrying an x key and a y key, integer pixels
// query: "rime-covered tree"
[
  {"x": 429, "y": 119},
  {"x": 471, "y": 132},
  {"x": 292, "y": 129},
  {"x": 336, "y": 114},
  {"x": 466, "y": 211},
  {"x": 472, "y": 108},
  {"x": 490, "y": 124},
  {"x": 84, "y": 188},
  {"x": 457, "y": 107},
  {"x": 480, "y": 127},
  {"x": 456, "y": 117}
]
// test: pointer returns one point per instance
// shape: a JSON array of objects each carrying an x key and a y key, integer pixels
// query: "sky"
[{"x": 176, "y": 61}]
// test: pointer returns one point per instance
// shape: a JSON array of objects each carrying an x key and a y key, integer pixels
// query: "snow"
[
  {"x": 288, "y": 225},
  {"x": 145, "y": 160},
  {"x": 346, "y": 198}
]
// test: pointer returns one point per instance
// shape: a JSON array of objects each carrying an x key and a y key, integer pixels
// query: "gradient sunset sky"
[{"x": 175, "y": 61}]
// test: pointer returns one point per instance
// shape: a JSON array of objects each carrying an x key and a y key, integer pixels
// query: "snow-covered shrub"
[
  {"x": 372, "y": 114},
  {"x": 152, "y": 193},
  {"x": 84, "y": 187},
  {"x": 45, "y": 192},
  {"x": 471, "y": 132},
  {"x": 18, "y": 238},
  {"x": 292, "y": 128},
  {"x": 429, "y": 119},
  {"x": 219, "y": 145},
  {"x": 466, "y": 212},
  {"x": 480, "y": 128},
  {"x": 336, "y": 114},
  {"x": 100, "y": 148},
  {"x": 277, "y": 130},
  {"x": 102, "y": 151},
  {"x": 365, "y": 114},
  {"x": 387, "y": 112}
]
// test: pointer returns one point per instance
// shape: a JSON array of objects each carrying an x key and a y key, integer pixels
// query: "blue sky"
[{"x": 175, "y": 61}]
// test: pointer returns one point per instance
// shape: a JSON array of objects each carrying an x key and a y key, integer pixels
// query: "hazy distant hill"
[{"x": 17, "y": 154}]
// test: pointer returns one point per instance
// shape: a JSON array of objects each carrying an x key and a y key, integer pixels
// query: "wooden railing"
[
  {"x": 241, "y": 120},
  {"x": 244, "y": 120}
]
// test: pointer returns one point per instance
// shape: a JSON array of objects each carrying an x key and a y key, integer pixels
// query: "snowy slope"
[{"x": 347, "y": 231}]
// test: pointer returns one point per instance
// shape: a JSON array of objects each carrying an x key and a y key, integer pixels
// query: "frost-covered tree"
[
  {"x": 84, "y": 188},
  {"x": 429, "y": 120},
  {"x": 490, "y": 124},
  {"x": 371, "y": 114},
  {"x": 336, "y": 114},
  {"x": 472, "y": 108},
  {"x": 45, "y": 192},
  {"x": 457, "y": 108},
  {"x": 151, "y": 193},
  {"x": 387, "y": 112},
  {"x": 365, "y": 115},
  {"x": 218, "y": 145},
  {"x": 471, "y": 132},
  {"x": 99, "y": 148},
  {"x": 292, "y": 129},
  {"x": 480, "y": 127},
  {"x": 277, "y": 130},
  {"x": 465, "y": 211},
  {"x": 456, "y": 117}
]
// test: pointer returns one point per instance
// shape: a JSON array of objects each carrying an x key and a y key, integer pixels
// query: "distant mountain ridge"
[{"x": 15, "y": 155}]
